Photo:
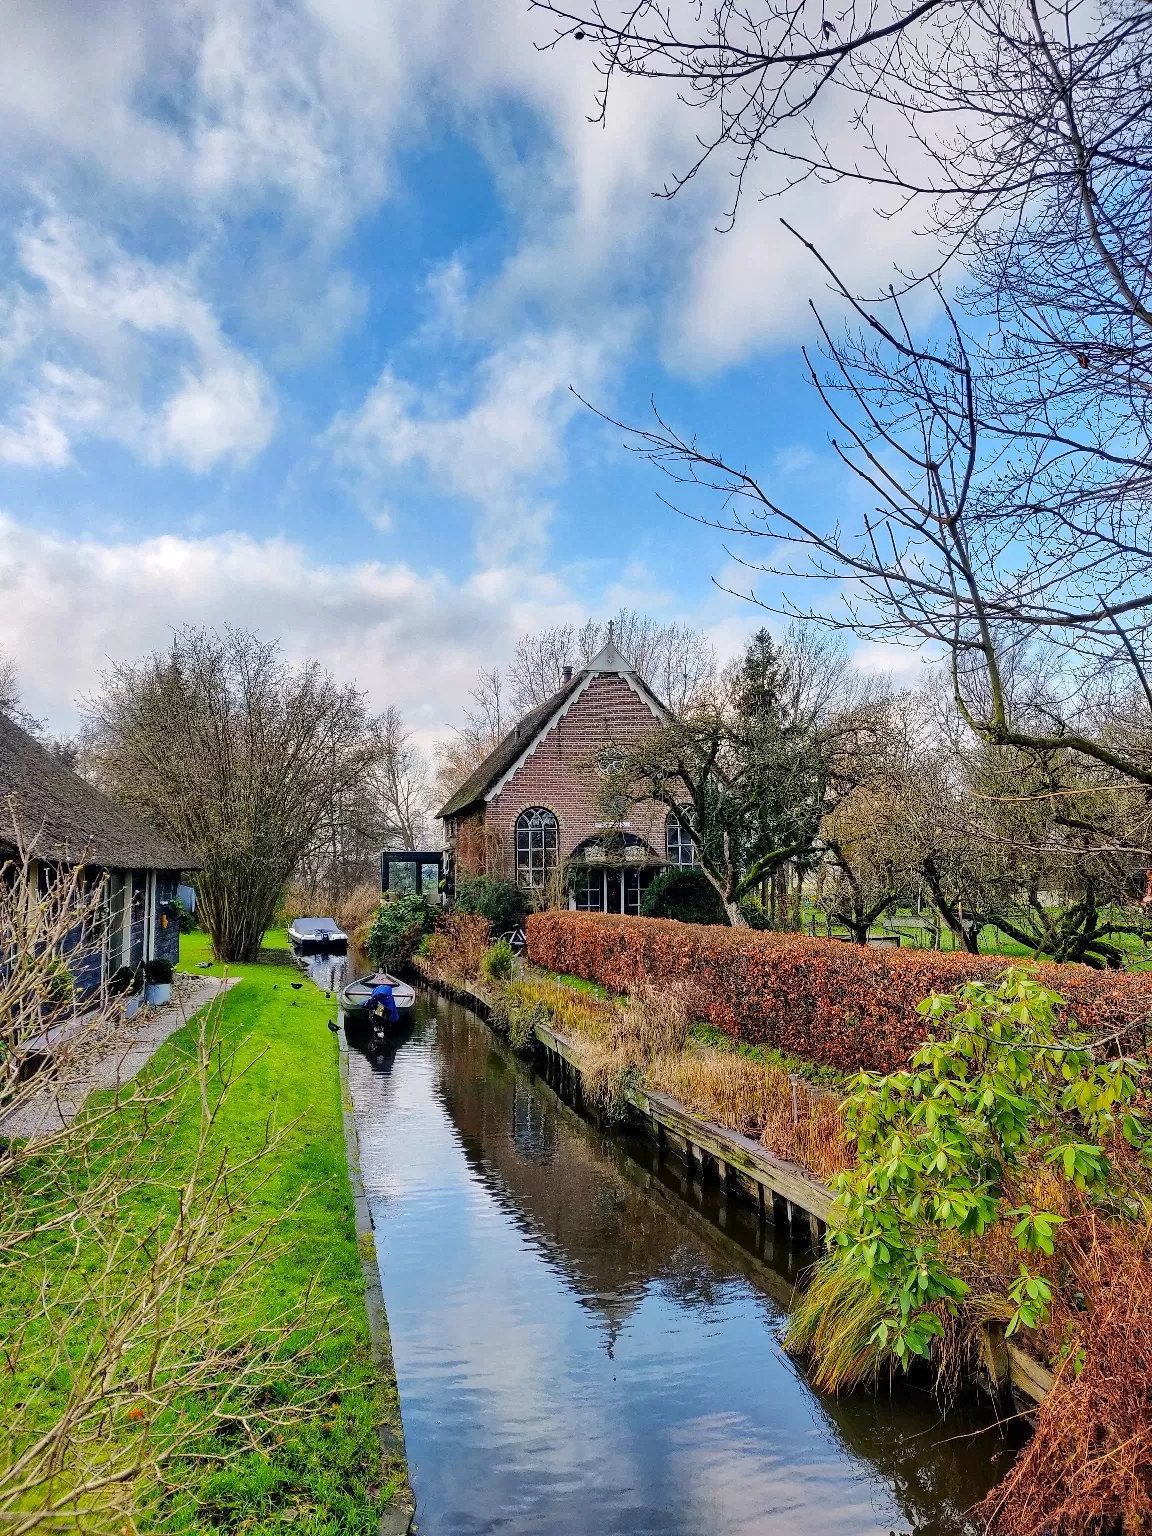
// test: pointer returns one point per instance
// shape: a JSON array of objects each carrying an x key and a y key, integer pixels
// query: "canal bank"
[
  {"x": 587, "y": 1335},
  {"x": 785, "y": 1194}
]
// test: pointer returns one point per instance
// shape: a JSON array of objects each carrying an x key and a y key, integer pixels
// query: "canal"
[{"x": 588, "y": 1341}]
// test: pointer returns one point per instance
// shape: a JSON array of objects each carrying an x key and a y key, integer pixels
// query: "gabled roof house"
[
  {"x": 534, "y": 804},
  {"x": 65, "y": 821}
]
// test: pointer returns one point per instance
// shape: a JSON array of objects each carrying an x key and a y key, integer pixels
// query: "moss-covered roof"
[{"x": 69, "y": 820}]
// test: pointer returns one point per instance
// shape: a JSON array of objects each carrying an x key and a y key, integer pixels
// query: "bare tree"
[
  {"x": 236, "y": 757},
  {"x": 1009, "y": 456},
  {"x": 677, "y": 662}
]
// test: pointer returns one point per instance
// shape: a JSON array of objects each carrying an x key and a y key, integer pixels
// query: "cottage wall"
[{"x": 557, "y": 776}]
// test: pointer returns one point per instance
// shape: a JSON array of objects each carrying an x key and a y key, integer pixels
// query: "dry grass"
[
  {"x": 1088, "y": 1468},
  {"x": 353, "y": 911},
  {"x": 455, "y": 952},
  {"x": 645, "y": 1038}
]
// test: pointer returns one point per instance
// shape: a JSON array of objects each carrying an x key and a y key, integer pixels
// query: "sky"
[{"x": 296, "y": 300}]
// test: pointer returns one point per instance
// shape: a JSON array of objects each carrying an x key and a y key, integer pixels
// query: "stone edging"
[{"x": 397, "y": 1518}]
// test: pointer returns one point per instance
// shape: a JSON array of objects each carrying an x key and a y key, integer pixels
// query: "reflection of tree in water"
[
  {"x": 581, "y": 1197},
  {"x": 938, "y": 1466}
]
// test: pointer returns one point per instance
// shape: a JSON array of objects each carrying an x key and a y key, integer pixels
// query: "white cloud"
[
  {"x": 119, "y": 347},
  {"x": 491, "y": 439},
  {"x": 382, "y": 625}
]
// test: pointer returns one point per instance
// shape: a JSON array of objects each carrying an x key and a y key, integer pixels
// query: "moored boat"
[
  {"x": 355, "y": 996},
  {"x": 311, "y": 934}
]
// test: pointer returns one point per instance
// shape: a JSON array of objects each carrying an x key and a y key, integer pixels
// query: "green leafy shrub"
[
  {"x": 501, "y": 902},
  {"x": 158, "y": 972},
  {"x": 518, "y": 1021},
  {"x": 1009, "y": 1100},
  {"x": 685, "y": 895},
  {"x": 498, "y": 963},
  {"x": 754, "y": 914},
  {"x": 397, "y": 929}
]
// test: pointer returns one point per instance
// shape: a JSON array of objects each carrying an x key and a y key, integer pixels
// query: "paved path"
[{"x": 115, "y": 1063}]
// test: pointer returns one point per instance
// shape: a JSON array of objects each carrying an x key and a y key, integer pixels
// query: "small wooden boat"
[
  {"x": 354, "y": 997},
  {"x": 317, "y": 933}
]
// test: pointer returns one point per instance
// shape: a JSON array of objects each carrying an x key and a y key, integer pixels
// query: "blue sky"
[{"x": 293, "y": 296}]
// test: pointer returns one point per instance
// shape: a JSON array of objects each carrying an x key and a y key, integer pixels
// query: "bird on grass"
[
  {"x": 203, "y": 964},
  {"x": 295, "y": 985},
  {"x": 333, "y": 1027}
]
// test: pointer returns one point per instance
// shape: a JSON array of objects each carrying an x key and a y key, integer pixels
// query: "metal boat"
[
  {"x": 309, "y": 934},
  {"x": 354, "y": 997}
]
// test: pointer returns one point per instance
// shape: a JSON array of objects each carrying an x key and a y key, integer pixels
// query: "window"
[
  {"x": 537, "y": 834},
  {"x": 677, "y": 842},
  {"x": 588, "y": 890},
  {"x": 636, "y": 883}
]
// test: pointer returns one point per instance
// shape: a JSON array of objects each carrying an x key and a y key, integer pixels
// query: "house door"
[{"x": 614, "y": 890}]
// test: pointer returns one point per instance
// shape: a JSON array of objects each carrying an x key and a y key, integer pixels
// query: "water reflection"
[{"x": 587, "y": 1340}]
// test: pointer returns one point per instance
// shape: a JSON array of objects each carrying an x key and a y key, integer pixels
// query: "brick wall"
[{"x": 557, "y": 778}]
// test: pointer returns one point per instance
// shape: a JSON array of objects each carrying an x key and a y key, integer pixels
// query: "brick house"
[{"x": 533, "y": 806}]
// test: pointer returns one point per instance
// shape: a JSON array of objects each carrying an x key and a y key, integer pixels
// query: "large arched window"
[
  {"x": 677, "y": 843},
  {"x": 537, "y": 835}
]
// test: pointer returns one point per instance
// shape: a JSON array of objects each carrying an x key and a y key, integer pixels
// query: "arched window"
[
  {"x": 537, "y": 834},
  {"x": 677, "y": 843}
]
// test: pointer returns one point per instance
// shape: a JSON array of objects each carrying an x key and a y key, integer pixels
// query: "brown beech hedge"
[{"x": 836, "y": 1003}]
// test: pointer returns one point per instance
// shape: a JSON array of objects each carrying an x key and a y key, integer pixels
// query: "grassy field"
[{"x": 324, "y": 1475}]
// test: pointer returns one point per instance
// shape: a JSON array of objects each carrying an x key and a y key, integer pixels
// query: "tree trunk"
[{"x": 735, "y": 915}]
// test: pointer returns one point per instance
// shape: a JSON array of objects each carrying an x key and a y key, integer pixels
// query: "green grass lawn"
[
  {"x": 323, "y": 1475},
  {"x": 327, "y": 1470}
]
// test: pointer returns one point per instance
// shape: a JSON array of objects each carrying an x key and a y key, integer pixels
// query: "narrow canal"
[{"x": 585, "y": 1341}]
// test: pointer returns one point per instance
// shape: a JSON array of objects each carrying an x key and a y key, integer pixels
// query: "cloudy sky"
[{"x": 294, "y": 296}]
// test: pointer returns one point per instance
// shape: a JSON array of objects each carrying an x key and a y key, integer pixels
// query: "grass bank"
[
  {"x": 323, "y": 1473},
  {"x": 327, "y": 1470}
]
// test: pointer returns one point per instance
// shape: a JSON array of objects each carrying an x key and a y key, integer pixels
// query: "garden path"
[{"x": 112, "y": 1060}]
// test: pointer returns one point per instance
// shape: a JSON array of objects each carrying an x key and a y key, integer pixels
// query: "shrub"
[
  {"x": 397, "y": 929},
  {"x": 687, "y": 895},
  {"x": 498, "y": 962},
  {"x": 840, "y": 1004},
  {"x": 125, "y": 980},
  {"x": 458, "y": 946},
  {"x": 158, "y": 972},
  {"x": 501, "y": 902}
]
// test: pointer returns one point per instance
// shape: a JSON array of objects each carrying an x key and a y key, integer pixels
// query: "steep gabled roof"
[
  {"x": 70, "y": 820},
  {"x": 483, "y": 781}
]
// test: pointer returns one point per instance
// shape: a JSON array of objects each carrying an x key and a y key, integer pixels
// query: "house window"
[
  {"x": 677, "y": 843},
  {"x": 588, "y": 890},
  {"x": 537, "y": 834},
  {"x": 636, "y": 883}
]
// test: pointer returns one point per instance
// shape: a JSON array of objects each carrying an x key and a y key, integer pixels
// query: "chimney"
[{"x": 567, "y": 674}]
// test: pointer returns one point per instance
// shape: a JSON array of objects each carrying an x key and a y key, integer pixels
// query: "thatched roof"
[
  {"x": 68, "y": 819},
  {"x": 532, "y": 726}
]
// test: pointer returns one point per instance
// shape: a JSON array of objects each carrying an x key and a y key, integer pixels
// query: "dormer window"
[
  {"x": 677, "y": 843},
  {"x": 537, "y": 839}
]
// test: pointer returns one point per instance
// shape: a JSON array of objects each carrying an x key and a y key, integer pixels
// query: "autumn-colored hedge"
[{"x": 837, "y": 1003}]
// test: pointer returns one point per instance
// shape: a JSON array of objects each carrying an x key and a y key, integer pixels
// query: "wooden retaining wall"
[{"x": 784, "y": 1192}]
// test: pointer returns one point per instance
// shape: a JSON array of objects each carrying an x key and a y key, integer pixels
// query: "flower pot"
[
  {"x": 158, "y": 992},
  {"x": 132, "y": 1005}
]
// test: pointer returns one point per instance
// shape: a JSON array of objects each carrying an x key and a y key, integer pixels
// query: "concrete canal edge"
[
  {"x": 397, "y": 1518},
  {"x": 785, "y": 1192}
]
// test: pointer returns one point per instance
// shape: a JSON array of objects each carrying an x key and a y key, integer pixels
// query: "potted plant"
[
  {"x": 126, "y": 983},
  {"x": 158, "y": 974}
]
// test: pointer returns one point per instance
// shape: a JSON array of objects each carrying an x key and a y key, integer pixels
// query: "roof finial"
[{"x": 611, "y": 631}]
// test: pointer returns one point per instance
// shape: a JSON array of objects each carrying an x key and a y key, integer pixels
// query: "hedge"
[{"x": 841, "y": 1004}]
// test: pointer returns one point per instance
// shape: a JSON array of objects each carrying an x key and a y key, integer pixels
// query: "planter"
[
  {"x": 132, "y": 1005},
  {"x": 158, "y": 992}
]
